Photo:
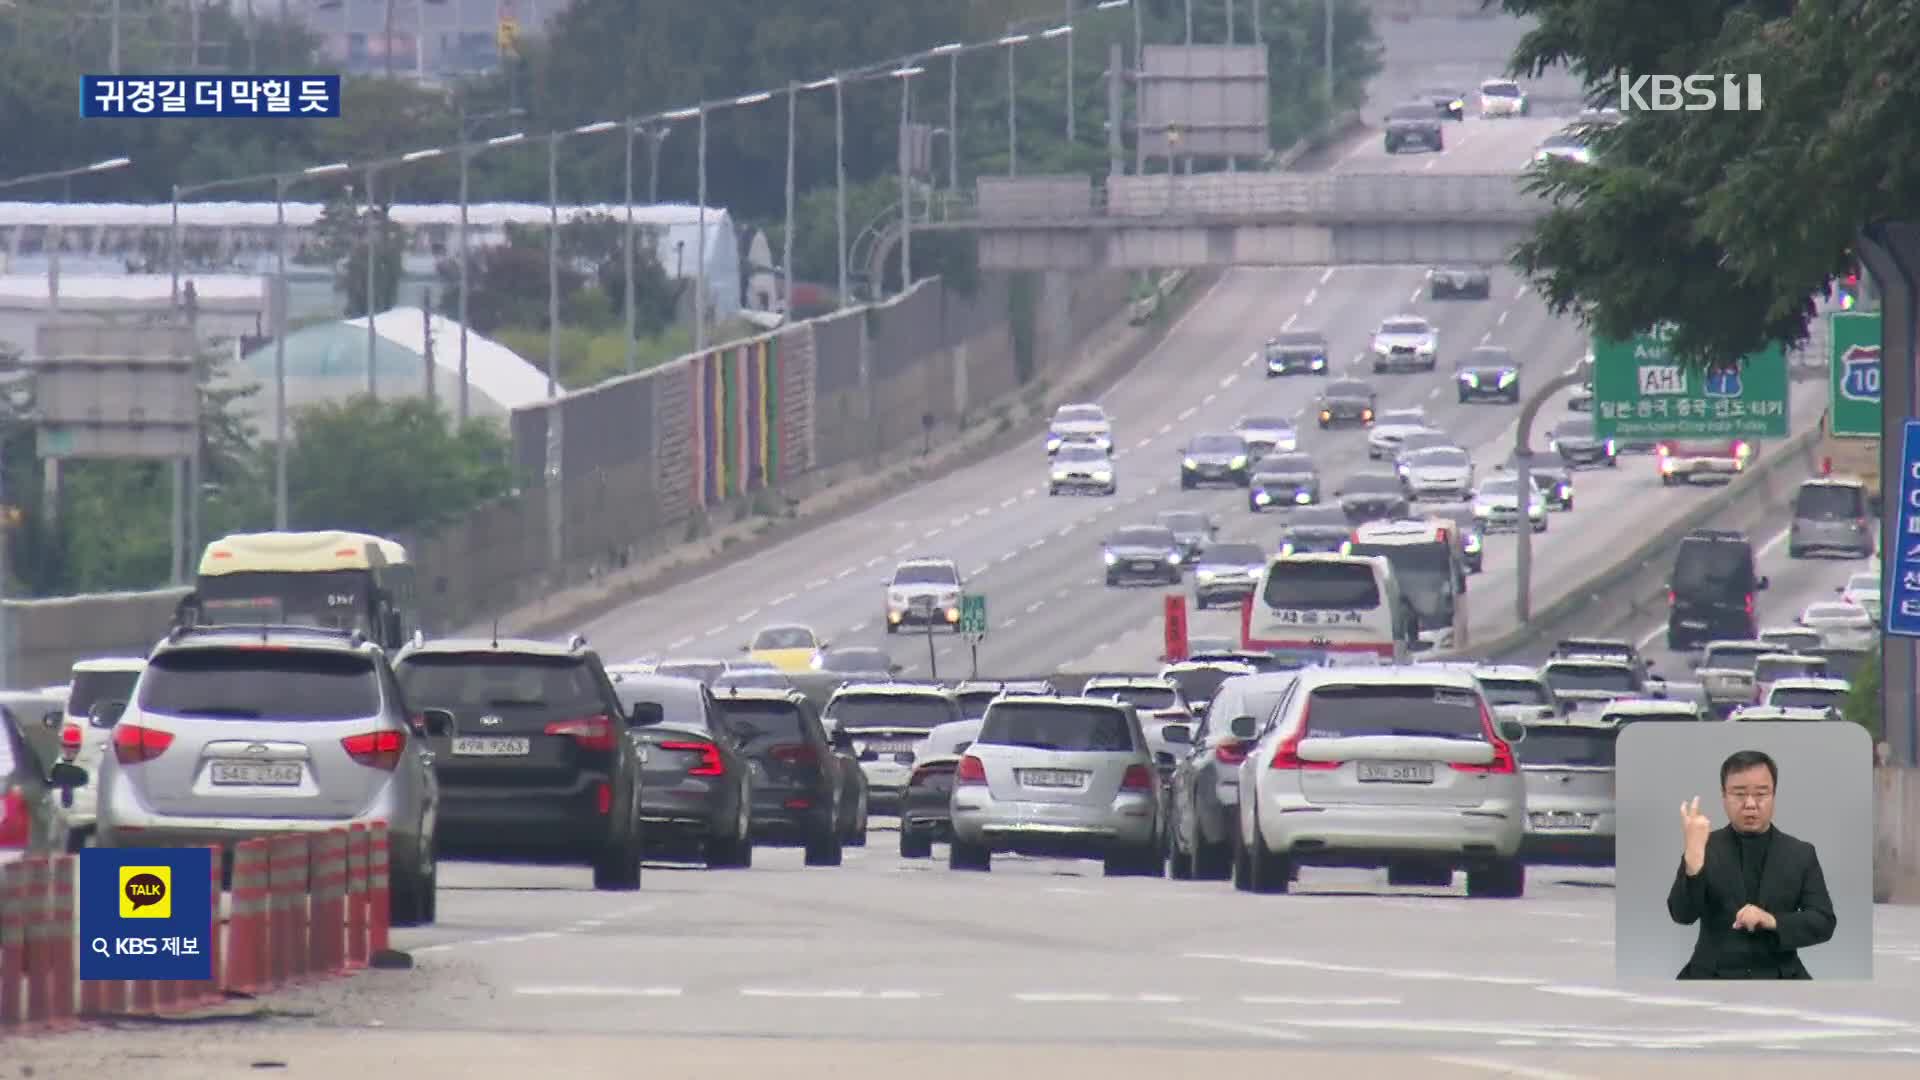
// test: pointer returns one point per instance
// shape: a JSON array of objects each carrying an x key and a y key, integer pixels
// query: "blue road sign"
[
  {"x": 1901, "y": 604},
  {"x": 1724, "y": 383}
]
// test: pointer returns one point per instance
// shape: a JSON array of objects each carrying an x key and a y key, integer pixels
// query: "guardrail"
[
  {"x": 1258, "y": 196},
  {"x": 299, "y": 905},
  {"x": 1635, "y": 586}
]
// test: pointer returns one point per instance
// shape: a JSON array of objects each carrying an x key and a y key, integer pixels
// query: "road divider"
[
  {"x": 300, "y": 906},
  {"x": 1634, "y": 588}
]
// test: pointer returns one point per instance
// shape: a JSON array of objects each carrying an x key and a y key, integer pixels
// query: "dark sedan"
[
  {"x": 856, "y": 663},
  {"x": 694, "y": 796},
  {"x": 1487, "y": 373},
  {"x": 1373, "y": 496},
  {"x": 1551, "y": 479},
  {"x": 1298, "y": 352},
  {"x": 1315, "y": 529},
  {"x": 1444, "y": 102},
  {"x": 1284, "y": 480},
  {"x": 1348, "y": 401},
  {"x": 1193, "y": 530},
  {"x": 1577, "y": 443},
  {"x": 1463, "y": 282},
  {"x": 1414, "y": 126},
  {"x": 797, "y": 780},
  {"x": 1206, "y": 782},
  {"x": 926, "y": 814},
  {"x": 1146, "y": 553},
  {"x": 1215, "y": 459},
  {"x": 1226, "y": 573}
]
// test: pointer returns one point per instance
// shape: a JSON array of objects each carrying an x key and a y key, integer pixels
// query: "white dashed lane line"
[
  {"x": 680, "y": 644},
  {"x": 783, "y": 598}
]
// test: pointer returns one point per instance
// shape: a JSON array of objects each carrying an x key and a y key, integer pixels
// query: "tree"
[
  {"x": 1862, "y": 704},
  {"x": 1723, "y": 224},
  {"x": 509, "y": 282},
  {"x": 391, "y": 467},
  {"x": 342, "y": 242}
]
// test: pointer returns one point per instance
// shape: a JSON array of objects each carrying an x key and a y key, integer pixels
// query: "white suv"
[
  {"x": 922, "y": 592},
  {"x": 83, "y": 739}
]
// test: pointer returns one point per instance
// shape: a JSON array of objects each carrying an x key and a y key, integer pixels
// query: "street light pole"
[
  {"x": 626, "y": 246},
  {"x": 280, "y": 353},
  {"x": 786, "y": 232},
  {"x": 953, "y": 122},
  {"x": 700, "y": 241},
  {"x": 467, "y": 150},
  {"x": 1327, "y": 61},
  {"x": 1011, "y": 41},
  {"x": 1070, "y": 109},
  {"x": 373, "y": 254},
  {"x": 905, "y": 75},
  {"x": 553, "y": 262}
]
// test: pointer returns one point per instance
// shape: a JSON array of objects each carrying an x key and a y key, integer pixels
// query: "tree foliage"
[
  {"x": 390, "y": 467},
  {"x": 509, "y": 281},
  {"x": 1862, "y": 704},
  {"x": 1724, "y": 224},
  {"x": 343, "y": 234}
]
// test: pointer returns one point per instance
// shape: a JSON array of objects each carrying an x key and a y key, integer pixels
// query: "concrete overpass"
[{"x": 1465, "y": 203}]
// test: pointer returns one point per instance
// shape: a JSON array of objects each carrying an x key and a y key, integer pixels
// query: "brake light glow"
[
  {"x": 1230, "y": 753},
  {"x": 376, "y": 749},
  {"x": 603, "y": 798},
  {"x": 710, "y": 761},
  {"x": 14, "y": 830},
  {"x": 1287, "y": 754},
  {"x": 925, "y": 773},
  {"x": 591, "y": 732},
  {"x": 1749, "y": 603},
  {"x": 972, "y": 771},
  {"x": 70, "y": 741},
  {"x": 1672, "y": 597},
  {"x": 133, "y": 744},
  {"x": 1137, "y": 778},
  {"x": 1502, "y": 763},
  {"x": 794, "y": 754}
]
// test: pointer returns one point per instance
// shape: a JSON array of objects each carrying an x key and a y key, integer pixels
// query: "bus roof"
[{"x": 299, "y": 552}]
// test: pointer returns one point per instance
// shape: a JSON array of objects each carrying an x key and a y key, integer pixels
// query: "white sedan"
[
  {"x": 1863, "y": 591},
  {"x": 1842, "y": 625}
]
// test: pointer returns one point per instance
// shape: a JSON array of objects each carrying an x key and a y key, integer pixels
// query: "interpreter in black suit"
[{"x": 1756, "y": 892}]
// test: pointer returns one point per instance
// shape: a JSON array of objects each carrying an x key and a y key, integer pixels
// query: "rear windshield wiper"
[{"x": 215, "y": 710}]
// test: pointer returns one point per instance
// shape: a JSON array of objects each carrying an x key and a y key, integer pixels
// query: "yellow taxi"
[{"x": 787, "y": 648}]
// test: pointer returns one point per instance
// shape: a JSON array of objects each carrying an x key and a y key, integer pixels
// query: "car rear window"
[
  {"x": 923, "y": 712},
  {"x": 1565, "y": 677},
  {"x": 1063, "y": 727},
  {"x": 89, "y": 688},
  {"x": 973, "y": 703},
  {"x": 251, "y": 684},
  {"x": 1624, "y": 718},
  {"x": 1547, "y": 746},
  {"x": 1514, "y": 692},
  {"x": 1713, "y": 568},
  {"x": 1149, "y": 698},
  {"x": 1769, "y": 670},
  {"x": 1418, "y": 709},
  {"x": 1843, "y": 663},
  {"x": 503, "y": 683},
  {"x": 1199, "y": 684},
  {"x": 761, "y": 723},
  {"x": 1733, "y": 658},
  {"x": 1805, "y": 697},
  {"x": 705, "y": 673},
  {"x": 1321, "y": 586},
  {"x": 1828, "y": 502}
]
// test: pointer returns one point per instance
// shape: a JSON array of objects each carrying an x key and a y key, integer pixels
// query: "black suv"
[
  {"x": 538, "y": 764},
  {"x": 1710, "y": 596},
  {"x": 795, "y": 766}
]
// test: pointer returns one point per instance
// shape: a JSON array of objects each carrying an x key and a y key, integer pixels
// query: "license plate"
[
  {"x": 257, "y": 773},
  {"x": 1562, "y": 820},
  {"x": 1693, "y": 624},
  {"x": 1052, "y": 778},
  {"x": 1395, "y": 773},
  {"x": 491, "y": 746},
  {"x": 1146, "y": 564},
  {"x": 880, "y": 747}
]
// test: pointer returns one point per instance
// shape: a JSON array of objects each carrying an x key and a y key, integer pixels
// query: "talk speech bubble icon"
[{"x": 145, "y": 890}]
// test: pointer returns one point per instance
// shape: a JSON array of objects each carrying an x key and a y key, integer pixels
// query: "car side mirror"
[
  {"x": 646, "y": 714},
  {"x": 746, "y": 648},
  {"x": 822, "y": 646},
  {"x": 54, "y": 720},
  {"x": 1649, "y": 664},
  {"x": 66, "y": 776},
  {"x": 1180, "y": 734},
  {"x": 436, "y": 721},
  {"x": 106, "y": 713},
  {"x": 1161, "y": 757},
  {"x": 842, "y": 741},
  {"x": 1513, "y": 731},
  {"x": 1243, "y": 727},
  {"x": 1762, "y": 583}
]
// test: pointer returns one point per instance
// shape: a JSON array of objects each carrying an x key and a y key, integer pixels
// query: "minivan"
[
  {"x": 1831, "y": 515},
  {"x": 1710, "y": 596}
]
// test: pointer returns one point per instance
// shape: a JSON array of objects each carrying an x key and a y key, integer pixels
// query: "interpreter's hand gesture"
[{"x": 1694, "y": 827}]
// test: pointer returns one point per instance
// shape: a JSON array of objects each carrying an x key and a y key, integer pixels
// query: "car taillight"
[
  {"x": 794, "y": 754},
  {"x": 971, "y": 771},
  {"x": 710, "y": 762},
  {"x": 1502, "y": 763},
  {"x": 591, "y": 732},
  {"x": 1672, "y": 597},
  {"x": 1749, "y": 603},
  {"x": 133, "y": 744},
  {"x": 14, "y": 830},
  {"x": 70, "y": 741},
  {"x": 376, "y": 749},
  {"x": 1230, "y": 753},
  {"x": 926, "y": 773},
  {"x": 1137, "y": 778},
  {"x": 603, "y": 798},
  {"x": 1287, "y": 754}
]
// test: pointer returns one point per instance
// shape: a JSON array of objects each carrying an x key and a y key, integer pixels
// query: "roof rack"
[{"x": 354, "y": 636}]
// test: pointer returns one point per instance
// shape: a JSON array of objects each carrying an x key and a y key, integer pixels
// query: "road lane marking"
[
  {"x": 1029, "y": 493},
  {"x": 1187, "y": 414},
  {"x": 1047, "y": 997},
  {"x": 783, "y": 598},
  {"x": 716, "y": 631},
  {"x": 1008, "y": 557},
  {"x": 1228, "y": 381},
  {"x": 931, "y": 534},
  {"x": 1064, "y": 532},
  {"x": 1326, "y": 275},
  {"x": 978, "y": 570},
  {"x": 599, "y": 991},
  {"x": 1231, "y": 1028},
  {"x": 1009, "y": 502},
  {"x": 680, "y": 644},
  {"x": 848, "y": 572},
  {"x": 1505, "y": 1068},
  {"x": 1361, "y": 969},
  {"x": 1208, "y": 400},
  {"x": 1291, "y": 319},
  {"x": 1502, "y": 320},
  {"x": 816, "y": 583},
  {"x": 1312, "y": 294},
  {"x": 1285, "y": 999},
  {"x": 837, "y": 994},
  {"x": 1035, "y": 606},
  {"x": 856, "y": 628}
]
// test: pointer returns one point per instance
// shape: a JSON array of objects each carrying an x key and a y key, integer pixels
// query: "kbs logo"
[
  {"x": 1691, "y": 93},
  {"x": 1860, "y": 373}
]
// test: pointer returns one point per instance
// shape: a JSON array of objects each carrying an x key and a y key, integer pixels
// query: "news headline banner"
[
  {"x": 146, "y": 913},
  {"x": 105, "y": 97}
]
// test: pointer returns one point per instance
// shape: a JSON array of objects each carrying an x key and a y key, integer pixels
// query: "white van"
[{"x": 1346, "y": 607}]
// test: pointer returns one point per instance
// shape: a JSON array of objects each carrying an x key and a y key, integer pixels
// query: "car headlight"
[
  {"x": 1471, "y": 378},
  {"x": 1456, "y": 105},
  {"x": 1507, "y": 378},
  {"x": 1173, "y": 558},
  {"x": 1189, "y": 463},
  {"x": 1480, "y": 510},
  {"x": 1239, "y": 462},
  {"x": 1563, "y": 490},
  {"x": 1059, "y": 474},
  {"x": 1110, "y": 557},
  {"x": 1367, "y": 415},
  {"x": 1286, "y": 548},
  {"x": 1303, "y": 497},
  {"x": 1609, "y": 447},
  {"x": 1103, "y": 475},
  {"x": 1053, "y": 443},
  {"x": 1262, "y": 497},
  {"x": 1326, "y": 414},
  {"x": 1405, "y": 472},
  {"x": 1203, "y": 575},
  {"x": 1425, "y": 348},
  {"x": 1104, "y": 442},
  {"x": 1380, "y": 347},
  {"x": 1471, "y": 544},
  {"x": 1319, "y": 361},
  {"x": 1553, "y": 446}
]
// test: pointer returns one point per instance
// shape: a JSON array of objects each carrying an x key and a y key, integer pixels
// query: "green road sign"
[
  {"x": 1641, "y": 392},
  {"x": 973, "y": 614},
  {"x": 1853, "y": 344}
]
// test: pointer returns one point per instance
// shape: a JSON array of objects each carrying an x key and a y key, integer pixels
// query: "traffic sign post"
[
  {"x": 1900, "y": 610},
  {"x": 1641, "y": 391},
  {"x": 973, "y": 623},
  {"x": 1174, "y": 624},
  {"x": 1853, "y": 345}
]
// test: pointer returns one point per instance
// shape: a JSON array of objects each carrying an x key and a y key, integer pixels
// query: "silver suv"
[
  {"x": 1831, "y": 515},
  {"x": 236, "y": 732},
  {"x": 1401, "y": 767},
  {"x": 1063, "y": 776},
  {"x": 1568, "y": 765}
]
